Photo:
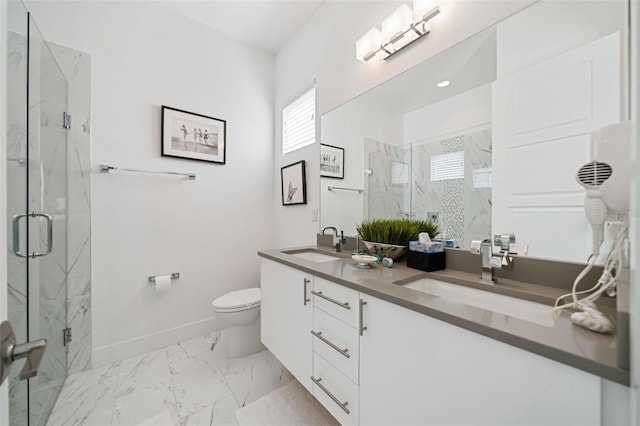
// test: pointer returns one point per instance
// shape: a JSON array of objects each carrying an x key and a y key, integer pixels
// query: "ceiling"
[{"x": 264, "y": 24}]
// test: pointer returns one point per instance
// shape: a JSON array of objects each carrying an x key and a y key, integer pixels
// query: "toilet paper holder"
[{"x": 174, "y": 276}]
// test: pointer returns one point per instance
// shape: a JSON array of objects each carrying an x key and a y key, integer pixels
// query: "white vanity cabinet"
[
  {"x": 372, "y": 362},
  {"x": 415, "y": 369},
  {"x": 311, "y": 326},
  {"x": 287, "y": 318},
  {"x": 336, "y": 349}
]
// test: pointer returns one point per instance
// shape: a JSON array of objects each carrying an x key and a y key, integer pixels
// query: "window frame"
[{"x": 292, "y": 147}]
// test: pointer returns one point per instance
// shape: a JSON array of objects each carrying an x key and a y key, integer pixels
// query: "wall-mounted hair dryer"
[
  {"x": 606, "y": 178},
  {"x": 607, "y": 181}
]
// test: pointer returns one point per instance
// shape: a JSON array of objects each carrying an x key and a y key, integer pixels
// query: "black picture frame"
[
  {"x": 206, "y": 141},
  {"x": 331, "y": 161},
  {"x": 294, "y": 184}
]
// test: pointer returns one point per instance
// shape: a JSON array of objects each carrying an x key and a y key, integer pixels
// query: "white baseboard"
[{"x": 105, "y": 355}]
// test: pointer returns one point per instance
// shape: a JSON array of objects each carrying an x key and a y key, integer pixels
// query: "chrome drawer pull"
[
  {"x": 342, "y": 405},
  {"x": 344, "y": 351},
  {"x": 319, "y": 294},
  {"x": 304, "y": 297},
  {"x": 361, "y": 317}
]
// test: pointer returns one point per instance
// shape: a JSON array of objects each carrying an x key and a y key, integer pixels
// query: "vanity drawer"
[
  {"x": 336, "y": 342},
  {"x": 337, "y": 300},
  {"x": 335, "y": 391}
]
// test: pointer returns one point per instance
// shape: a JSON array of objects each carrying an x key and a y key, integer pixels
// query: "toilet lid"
[{"x": 248, "y": 297}]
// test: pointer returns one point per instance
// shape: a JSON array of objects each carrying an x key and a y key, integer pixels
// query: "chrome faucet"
[
  {"x": 504, "y": 241},
  {"x": 357, "y": 250},
  {"x": 490, "y": 261},
  {"x": 341, "y": 239}
]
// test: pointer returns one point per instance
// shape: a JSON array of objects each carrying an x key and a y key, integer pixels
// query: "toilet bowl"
[{"x": 239, "y": 312}]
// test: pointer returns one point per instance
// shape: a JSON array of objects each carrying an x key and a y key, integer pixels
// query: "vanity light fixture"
[
  {"x": 400, "y": 29},
  {"x": 369, "y": 46},
  {"x": 443, "y": 83}
]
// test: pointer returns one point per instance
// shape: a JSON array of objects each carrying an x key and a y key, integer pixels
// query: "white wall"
[
  {"x": 144, "y": 55},
  {"x": 567, "y": 24},
  {"x": 452, "y": 115},
  {"x": 346, "y": 127},
  {"x": 324, "y": 50}
]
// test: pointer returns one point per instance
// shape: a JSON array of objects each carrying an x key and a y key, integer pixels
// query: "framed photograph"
[
  {"x": 294, "y": 184},
  {"x": 193, "y": 136},
  {"x": 331, "y": 161}
]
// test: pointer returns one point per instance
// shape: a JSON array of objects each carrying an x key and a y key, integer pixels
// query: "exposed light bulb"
[{"x": 443, "y": 83}]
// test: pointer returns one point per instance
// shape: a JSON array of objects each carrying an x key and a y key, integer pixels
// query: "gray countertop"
[{"x": 564, "y": 342}]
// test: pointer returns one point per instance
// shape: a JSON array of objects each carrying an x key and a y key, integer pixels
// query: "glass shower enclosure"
[
  {"x": 447, "y": 179},
  {"x": 37, "y": 212},
  {"x": 387, "y": 181}
]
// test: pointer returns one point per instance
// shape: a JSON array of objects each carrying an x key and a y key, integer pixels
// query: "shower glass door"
[
  {"x": 387, "y": 182},
  {"x": 37, "y": 208},
  {"x": 47, "y": 187},
  {"x": 17, "y": 54}
]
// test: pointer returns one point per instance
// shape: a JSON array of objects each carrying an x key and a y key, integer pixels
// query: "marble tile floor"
[{"x": 189, "y": 383}]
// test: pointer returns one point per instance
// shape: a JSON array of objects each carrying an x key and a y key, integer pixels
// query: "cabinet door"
[
  {"x": 415, "y": 369},
  {"x": 287, "y": 318}
]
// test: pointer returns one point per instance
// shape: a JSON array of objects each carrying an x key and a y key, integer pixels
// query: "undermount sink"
[
  {"x": 312, "y": 256},
  {"x": 510, "y": 306}
]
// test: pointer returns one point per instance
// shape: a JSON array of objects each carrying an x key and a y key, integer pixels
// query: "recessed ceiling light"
[{"x": 443, "y": 83}]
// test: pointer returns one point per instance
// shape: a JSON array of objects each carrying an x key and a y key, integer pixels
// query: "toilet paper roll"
[{"x": 163, "y": 283}]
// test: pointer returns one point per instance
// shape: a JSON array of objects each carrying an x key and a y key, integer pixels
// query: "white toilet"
[{"x": 240, "y": 314}]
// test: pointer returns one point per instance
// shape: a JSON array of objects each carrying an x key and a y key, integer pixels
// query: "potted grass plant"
[{"x": 390, "y": 237}]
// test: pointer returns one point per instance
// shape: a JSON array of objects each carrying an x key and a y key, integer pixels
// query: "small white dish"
[{"x": 364, "y": 260}]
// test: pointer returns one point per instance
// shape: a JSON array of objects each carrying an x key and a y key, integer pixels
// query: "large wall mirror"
[{"x": 496, "y": 150}]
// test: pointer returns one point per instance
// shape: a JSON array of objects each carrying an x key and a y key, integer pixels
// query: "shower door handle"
[
  {"x": 10, "y": 352},
  {"x": 49, "y": 220},
  {"x": 16, "y": 235}
]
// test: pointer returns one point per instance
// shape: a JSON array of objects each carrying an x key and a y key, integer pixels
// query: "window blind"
[
  {"x": 482, "y": 178},
  {"x": 399, "y": 173},
  {"x": 447, "y": 166},
  {"x": 299, "y": 122}
]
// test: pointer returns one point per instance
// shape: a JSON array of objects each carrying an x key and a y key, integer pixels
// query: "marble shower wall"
[
  {"x": 385, "y": 197},
  {"x": 463, "y": 205},
  {"x": 76, "y": 66}
]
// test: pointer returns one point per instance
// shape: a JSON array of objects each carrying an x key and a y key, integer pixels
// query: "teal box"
[{"x": 432, "y": 247}]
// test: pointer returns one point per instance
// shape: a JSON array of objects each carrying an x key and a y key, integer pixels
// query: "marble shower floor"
[{"x": 190, "y": 383}]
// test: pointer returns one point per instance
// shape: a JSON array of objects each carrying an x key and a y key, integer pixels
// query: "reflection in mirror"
[
  {"x": 495, "y": 151},
  {"x": 452, "y": 184}
]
